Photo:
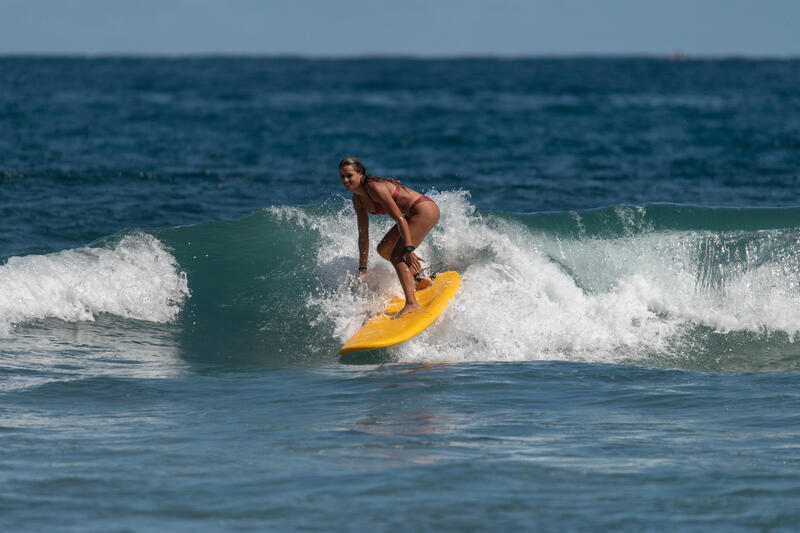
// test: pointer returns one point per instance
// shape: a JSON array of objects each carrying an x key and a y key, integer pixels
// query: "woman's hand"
[{"x": 413, "y": 262}]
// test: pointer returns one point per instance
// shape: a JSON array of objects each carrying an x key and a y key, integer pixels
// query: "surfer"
[{"x": 414, "y": 213}]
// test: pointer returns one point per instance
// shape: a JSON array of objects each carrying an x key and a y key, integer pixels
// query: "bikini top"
[{"x": 379, "y": 210}]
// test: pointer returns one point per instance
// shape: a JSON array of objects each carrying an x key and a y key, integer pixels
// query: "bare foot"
[
  {"x": 407, "y": 309},
  {"x": 422, "y": 283},
  {"x": 422, "y": 280}
]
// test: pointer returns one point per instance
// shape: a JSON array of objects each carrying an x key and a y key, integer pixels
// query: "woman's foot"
[
  {"x": 421, "y": 281},
  {"x": 407, "y": 309}
]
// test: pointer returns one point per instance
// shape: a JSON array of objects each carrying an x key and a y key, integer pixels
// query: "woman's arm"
[
  {"x": 363, "y": 234},
  {"x": 393, "y": 210}
]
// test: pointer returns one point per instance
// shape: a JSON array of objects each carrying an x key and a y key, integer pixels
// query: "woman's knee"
[
  {"x": 384, "y": 250},
  {"x": 396, "y": 256}
]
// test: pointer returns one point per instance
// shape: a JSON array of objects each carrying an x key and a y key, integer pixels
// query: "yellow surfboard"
[{"x": 382, "y": 330}]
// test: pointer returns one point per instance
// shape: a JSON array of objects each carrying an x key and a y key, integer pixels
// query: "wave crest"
[{"x": 134, "y": 278}]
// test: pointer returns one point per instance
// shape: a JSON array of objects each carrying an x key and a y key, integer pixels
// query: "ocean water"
[{"x": 177, "y": 262}]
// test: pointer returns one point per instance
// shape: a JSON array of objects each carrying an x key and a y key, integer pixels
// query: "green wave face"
[{"x": 248, "y": 279}]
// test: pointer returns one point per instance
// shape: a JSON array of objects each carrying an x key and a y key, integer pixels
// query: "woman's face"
[{"x": 350, "y": 178}]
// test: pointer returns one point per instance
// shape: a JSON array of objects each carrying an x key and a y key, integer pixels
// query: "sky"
[{"x": 435, "y": 28}]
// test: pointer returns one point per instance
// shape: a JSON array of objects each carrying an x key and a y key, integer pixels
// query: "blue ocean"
[{"x": 178, "y": 266}]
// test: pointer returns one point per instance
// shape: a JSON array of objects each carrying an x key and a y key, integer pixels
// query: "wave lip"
[{"x": 136, "y": 277}]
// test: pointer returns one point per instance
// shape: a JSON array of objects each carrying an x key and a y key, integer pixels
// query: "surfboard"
[{"x": 382, "y": 330}]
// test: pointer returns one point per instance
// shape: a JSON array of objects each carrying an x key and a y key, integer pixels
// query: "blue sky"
[{"x": 410, "y": 27}]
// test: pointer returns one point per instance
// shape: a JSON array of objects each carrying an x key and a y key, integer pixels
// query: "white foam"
[
  {"x": 136, "y": 278},
  {"x": 528, "y": 296}
]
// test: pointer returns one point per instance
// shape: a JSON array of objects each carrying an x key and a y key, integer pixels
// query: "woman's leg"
[
  {"x": 386, "y": 245},
  {"x": 385, "y": 248},
  {"x": 423, "y": 217},
  {"x": 422, "y": 221}
]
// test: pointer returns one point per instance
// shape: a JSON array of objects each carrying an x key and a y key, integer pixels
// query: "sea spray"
[{"x": 622, "y": 291}]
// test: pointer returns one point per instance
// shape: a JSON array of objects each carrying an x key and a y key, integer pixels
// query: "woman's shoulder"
[{"x": 375, "y": 185}]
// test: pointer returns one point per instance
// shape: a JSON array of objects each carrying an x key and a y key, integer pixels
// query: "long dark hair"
[{"x": 359, "y": 167}]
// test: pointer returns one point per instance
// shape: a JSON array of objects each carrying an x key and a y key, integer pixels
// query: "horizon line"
[{"x": 676, "y": 56}]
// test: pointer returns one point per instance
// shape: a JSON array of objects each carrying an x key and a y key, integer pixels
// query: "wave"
[
  {"x": 655, "y": 284},
  {"x": 621, "y": 284},
  {"x": 132, "y": 276}
]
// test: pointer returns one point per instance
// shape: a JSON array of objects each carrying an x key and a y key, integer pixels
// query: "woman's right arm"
[{"x": 363, "y": 234}]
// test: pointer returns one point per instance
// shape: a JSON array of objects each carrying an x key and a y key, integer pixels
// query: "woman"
[{"x": 414, "y": 213}]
